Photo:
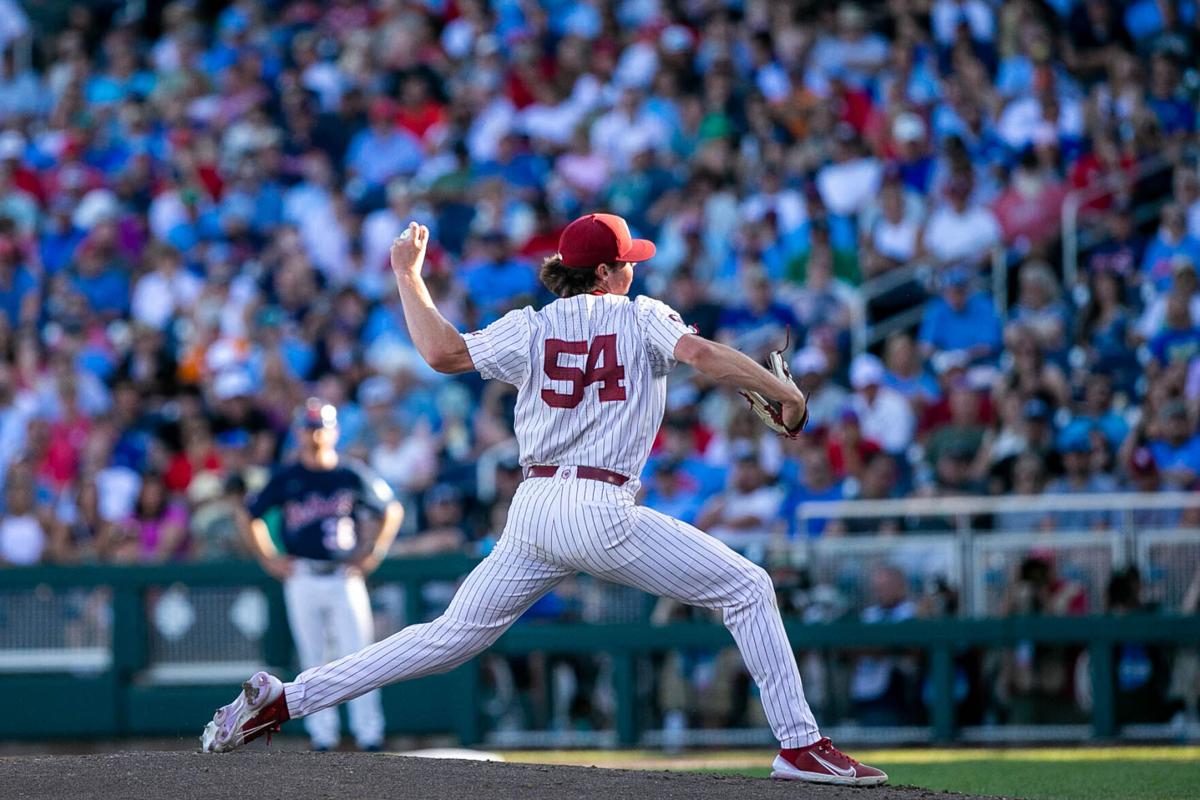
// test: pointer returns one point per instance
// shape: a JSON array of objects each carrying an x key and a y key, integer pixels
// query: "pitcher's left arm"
[{"x": 729, "y": 367}]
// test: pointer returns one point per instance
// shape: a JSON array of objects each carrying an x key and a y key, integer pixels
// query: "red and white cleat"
[
  {"x": 821, "y": 762},
  {"x": 259, "y": 709}
]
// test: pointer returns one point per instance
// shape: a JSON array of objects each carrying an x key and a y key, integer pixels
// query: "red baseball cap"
[{"x": 601, "y": 239}]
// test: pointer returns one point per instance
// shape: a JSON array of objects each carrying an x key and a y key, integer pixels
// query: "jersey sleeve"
[
  {"x": 501, "y": 350},
  {"x": 662, "y": 328},
  {"x": 269, "y": 496},
  {"x": 373, "y": 491}
]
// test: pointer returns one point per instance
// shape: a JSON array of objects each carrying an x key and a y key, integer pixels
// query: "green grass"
[
  {"x": 1038, "y": 780},
  {"x": 1042, "y": 773},
  {"x": 1108, "y": 779}
]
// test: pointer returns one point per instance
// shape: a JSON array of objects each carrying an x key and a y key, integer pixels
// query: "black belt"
[{"x": 320, "y": 567}]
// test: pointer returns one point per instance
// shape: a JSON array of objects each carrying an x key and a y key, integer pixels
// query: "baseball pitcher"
[{"x": 591, "y": 373}]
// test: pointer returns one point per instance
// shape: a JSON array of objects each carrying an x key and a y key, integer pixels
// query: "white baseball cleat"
[{"x": 260, "y": 708}]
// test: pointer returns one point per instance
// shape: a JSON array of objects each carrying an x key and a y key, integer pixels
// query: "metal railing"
[
  {"x": 976, "y": 550},
  {"x": 963, "y": 509},
  {"x": 1169, "y": 561},
  {"x": 1087, "y": 560},
  {"x": 986, "y": 559},
  {"x": 845, "y": 564},
  {"x": 1071, "y": 234},
  {"x": 865, "y": 334}
]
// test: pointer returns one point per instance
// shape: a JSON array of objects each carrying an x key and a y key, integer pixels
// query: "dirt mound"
[{"x": 277, "y": 775}]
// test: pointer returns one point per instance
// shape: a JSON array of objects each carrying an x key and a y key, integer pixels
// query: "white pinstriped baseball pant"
[{"x": 560, "y": 526}]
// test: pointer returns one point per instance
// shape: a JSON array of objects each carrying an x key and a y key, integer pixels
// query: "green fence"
[{"x": 115, "y": 699}]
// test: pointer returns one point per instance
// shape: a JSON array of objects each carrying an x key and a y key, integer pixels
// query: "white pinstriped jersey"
[{"x": 591, "y": 377}]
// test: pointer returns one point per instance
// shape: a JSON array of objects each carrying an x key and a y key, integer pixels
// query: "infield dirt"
[{"x": 280, "y": 775}]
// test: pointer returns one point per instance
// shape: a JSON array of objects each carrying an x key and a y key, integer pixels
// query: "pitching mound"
[{"x": 277, "y": 775}]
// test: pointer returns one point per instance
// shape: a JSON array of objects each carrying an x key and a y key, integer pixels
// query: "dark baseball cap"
[
  {"x": 955, "y": 276},
  {"x": 316, "y": 414},
  {"x": 1142, "y": 463},
  {"x": 1036, "y": 408},
  {"x": 668, "y": 465},
  {"x": 443, "y": 493},
  {"x": 601, "y": 239}
]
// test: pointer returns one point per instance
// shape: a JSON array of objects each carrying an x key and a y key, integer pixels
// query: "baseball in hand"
[{"x": 408, "y": 250}]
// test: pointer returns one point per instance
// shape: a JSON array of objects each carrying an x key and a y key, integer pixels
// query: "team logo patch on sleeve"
[{"x": 679, "y": 319}]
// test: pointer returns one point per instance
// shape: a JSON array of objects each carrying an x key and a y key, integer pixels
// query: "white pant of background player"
[
  {"x": 559, "y": 526},
  {"x": 330, "y": 617}
]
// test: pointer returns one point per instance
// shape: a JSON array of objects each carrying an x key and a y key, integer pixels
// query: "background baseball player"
[
  {"x": 591, "y": 371},
  {"x": 321, "y": 525}
]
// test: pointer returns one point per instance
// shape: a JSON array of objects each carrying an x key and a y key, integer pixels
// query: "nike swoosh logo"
[
  {"x": 849, "y": 772},
  {"x": 251, "y": 731}
]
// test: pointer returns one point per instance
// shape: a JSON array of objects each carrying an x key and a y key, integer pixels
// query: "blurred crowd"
[{"x": 197, "y": 199}]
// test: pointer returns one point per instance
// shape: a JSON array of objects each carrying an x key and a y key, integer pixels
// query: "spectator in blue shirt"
[
  {"x": 678, "y": 447},
  {"x": 103, "y": 282},
  {"x": 496, "y": 280},
  {"x": 960, "y": 320},
  {"x": 1179, "y": 340},
  {"x": 761, "y": 323},
  {"x": 1176, "y": 448},
  {"x": 199, "y": 221},
  {"x": 674, "y": 492},
  {"x": 1175, "y": 112},
  {"x": 18, "y": 286},
  {"x": 1080, "y": 477},
  {"x": 906, "y": 372},
  {"x": 915, "y": 164},
  {"x": 1146, "y": 20},
  {"x": 60, "y": 237},
  {"x": 383, "y": 150},
  {"x": 1097, "y": 412},
  {"x": 123, "y": 78},
  {"x": 817, "y": 483},
  {"x": 1172, "y": 240},
  {"x": 521, "y": 169}
]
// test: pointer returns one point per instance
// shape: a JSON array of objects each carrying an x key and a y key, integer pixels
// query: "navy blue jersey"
[{"x": 316, "y": 513}]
